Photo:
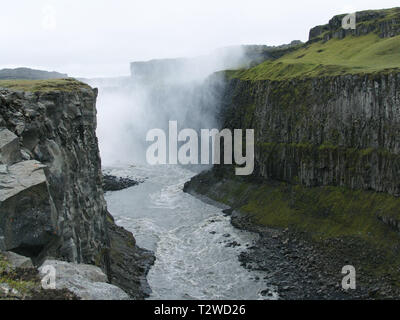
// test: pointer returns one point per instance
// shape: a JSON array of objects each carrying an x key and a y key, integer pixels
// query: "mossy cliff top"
[
  {"x": 385, "y": 23},
  {"x": 67, "y": 84},
  {"x": 333, "y": 51}
]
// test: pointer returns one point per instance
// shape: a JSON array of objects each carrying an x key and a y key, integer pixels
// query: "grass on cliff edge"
[
  {"x": 9, "y": 277},
  {"x": 67, "y": 84},
  {"x": 351, "y": 55}
]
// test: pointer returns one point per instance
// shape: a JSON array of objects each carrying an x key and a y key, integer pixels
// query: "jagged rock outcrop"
[
  {"x": 128, "y": 264},
  {"x": 51, "y": 193},
  {"x": 385, "y": 23},
  {"x": 28, "y": 217},
  {"x": 9, "y": 147},
  {"x": 57, "y": 128}
]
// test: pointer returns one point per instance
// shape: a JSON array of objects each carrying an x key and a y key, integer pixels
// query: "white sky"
[{"x": 100, "y": 37}]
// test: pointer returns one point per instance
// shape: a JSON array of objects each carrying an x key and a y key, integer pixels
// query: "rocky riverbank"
[
  {"x": 299, "y": 264},
  {"x": 302, "y": 269}
]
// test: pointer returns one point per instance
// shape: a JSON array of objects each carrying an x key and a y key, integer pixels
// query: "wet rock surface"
[{"x": 128, "y": 264}]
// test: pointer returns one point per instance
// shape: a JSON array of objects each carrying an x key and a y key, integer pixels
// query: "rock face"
[
  {"x": 388, "y": 25},
  {"x": 86, "y": 281},
  {"x": 9, "y": 147},
  {"x": 128, "y": 264},
  {"x": 57, "y": 129},
  {"x": 340, "y": 131},
  {"x": 28, "y": 222},
  {"x": 51, "y": 189}
]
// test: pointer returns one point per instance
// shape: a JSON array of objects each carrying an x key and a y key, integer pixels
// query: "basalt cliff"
[{"x": 51, "y": 195}]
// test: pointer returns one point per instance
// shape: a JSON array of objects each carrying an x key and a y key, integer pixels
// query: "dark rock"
[
  {"x": 128, "y": 264},
  {"x": 27, "y": 220},
  {"x": 58, "y": 129},
  {"x": 113, "y": 183},
  {"x": 233, "y": 244},
  {"x": 9, "y": 147},
  {"x": 228, "y": 211}
]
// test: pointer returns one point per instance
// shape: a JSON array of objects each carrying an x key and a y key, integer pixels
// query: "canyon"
[{"x": 324, "y": 192}]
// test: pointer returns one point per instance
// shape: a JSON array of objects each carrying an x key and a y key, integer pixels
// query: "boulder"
[
  {"x": 7, "y": 292},
  {"x": 9, "y": 147},
  {"x": 17, "y": 261},
  {"x": 86, "y": 281},
  {"x": 26, "y": 208}
]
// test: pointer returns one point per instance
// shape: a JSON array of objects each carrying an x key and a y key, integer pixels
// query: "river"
[{"x": 194, "y": 242}]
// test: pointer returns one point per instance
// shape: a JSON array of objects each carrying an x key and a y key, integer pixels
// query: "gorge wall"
[
  {"x": 340, "y": 131},
  {"x": 51, "y": 195},
  {"x": 58, "y": 130},
  {"x": 326, "y": 120}
]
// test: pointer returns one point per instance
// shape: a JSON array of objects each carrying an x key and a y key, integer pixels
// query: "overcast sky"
[{"x": 100, "y": 37}]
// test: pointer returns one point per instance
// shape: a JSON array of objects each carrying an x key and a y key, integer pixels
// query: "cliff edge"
[{"x": 51, "y": 195}]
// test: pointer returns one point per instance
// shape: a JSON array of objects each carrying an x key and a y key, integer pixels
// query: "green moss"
[
  {"x": 4, "y": 265},
  {"x": 352, "y": 154},
  {"x": 351, "y": 55},
  {"x": 23, "y": 287},
  {"x": 325, "y": 212},
  {"x": 44, "y": 85},
  {"x": 9, "y": 276},
  {"x": 327, "y": 146}
]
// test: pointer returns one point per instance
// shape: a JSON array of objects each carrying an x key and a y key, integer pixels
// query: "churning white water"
[{"x": 191, "y": 239}]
